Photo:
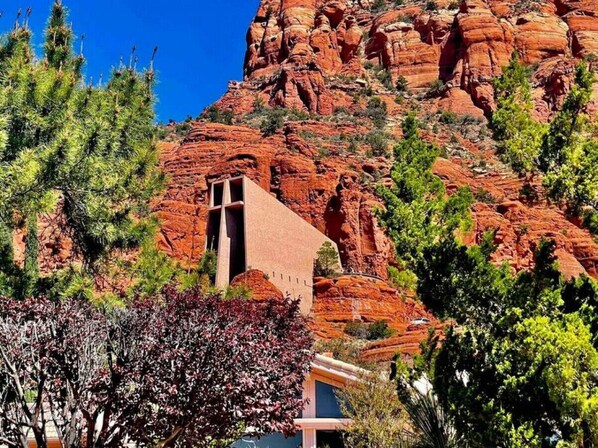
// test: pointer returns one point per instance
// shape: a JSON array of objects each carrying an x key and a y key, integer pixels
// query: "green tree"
[
  {"x": 518, "y": 371},
  {"x": 519, "y": 136},
  {"x": 569, "y": 150},
  {"x": 418, "y": 211},
  {"x": 326, "y": 263},
  {"x": 84, "y": 153}
]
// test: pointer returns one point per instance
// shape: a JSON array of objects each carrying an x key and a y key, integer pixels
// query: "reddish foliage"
[{"x": 180, "y": 371}]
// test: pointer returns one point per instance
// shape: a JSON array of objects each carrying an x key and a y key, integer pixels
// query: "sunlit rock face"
[{"x": 318, "y": 58}]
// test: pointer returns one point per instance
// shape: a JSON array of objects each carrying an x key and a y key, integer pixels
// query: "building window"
[
  {"x": 270, "y": 441},
  {"x": 327, "y": 405},
  {"x": 329, "y": 439},
  {"x": 236, "y": 190},
  {"x": 217, "y": 190}
]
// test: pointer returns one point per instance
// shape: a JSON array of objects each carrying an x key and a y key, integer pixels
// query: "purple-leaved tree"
[{"x": 183, "y": 369}]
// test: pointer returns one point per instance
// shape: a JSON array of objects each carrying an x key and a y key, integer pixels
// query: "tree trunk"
[{"x": 31, "y": 273}]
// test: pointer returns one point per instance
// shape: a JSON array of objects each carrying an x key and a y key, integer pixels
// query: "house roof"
[{"x": 339, "y": 370}]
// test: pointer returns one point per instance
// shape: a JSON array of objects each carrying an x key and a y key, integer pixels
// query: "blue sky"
[{"x": 201, "y": 42}]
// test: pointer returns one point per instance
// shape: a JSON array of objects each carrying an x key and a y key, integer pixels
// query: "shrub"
[
  {"x": 378, "y": 330},
  {"x": 207, "y": 269},
  {"x": 213, "y": 114},
  {"x": 448, "y": 117},
  {"x": 340, "y": 110},
  {"x": 272, "y": 122},
  {"x": 402, "y": 84},
  {"x": 436, "y": 88},
  {"x": 590, "y": 220},
  {"x": 528, "y": 194},
  {"x": 377, "y": 415},
  {"x": 378, "y": 141},
  {"x": 431, "y": 5},
  {"x": 483, "y": 195},
  {"x": 237, "y": 292},
  {"x": 379, "y": 5},
  {"x": 385, "y": 77},
  {"x": 346, "y": 350},
  {"x": 356, "y": 329},
  {"x": 258, "y": 104},
  {"x": 377, "y": 111}
]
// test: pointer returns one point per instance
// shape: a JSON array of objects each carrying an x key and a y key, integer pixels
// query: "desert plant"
[
  {"x": 432, "y": 425},
  {"x": 377, "y": 111},
  {"x": 272, "y": 122},
  {"x": 379, "y": 143},
  {"x": 378, "y": 330},
  {"x": 431, "y": 5},
  {"x": 402, "y": 84},
  {"x": 436, "y": 88},
  {"x": 356, "y": 328}
]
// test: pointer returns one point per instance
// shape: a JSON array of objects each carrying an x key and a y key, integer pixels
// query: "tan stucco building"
[
  {"x": 321, "y": 422},
  {"x": 251, "y": 229}
]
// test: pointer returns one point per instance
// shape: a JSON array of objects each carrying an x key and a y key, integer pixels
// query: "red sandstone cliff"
[
  {"x": 317, "y": 56},
  {"x": 304, "y": 53}
]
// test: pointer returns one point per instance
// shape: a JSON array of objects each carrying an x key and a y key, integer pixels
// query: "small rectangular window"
[
  {"x": 236, "y": 190},
  {"x": 217, "y": 192}
]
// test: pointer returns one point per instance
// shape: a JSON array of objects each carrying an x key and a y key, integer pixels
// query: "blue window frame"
[{"x": 327, "y": 404}]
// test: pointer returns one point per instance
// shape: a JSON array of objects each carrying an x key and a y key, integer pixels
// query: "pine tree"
[
  {"x": 418, "y": 211},
  {"x": 87, "y": 153}
]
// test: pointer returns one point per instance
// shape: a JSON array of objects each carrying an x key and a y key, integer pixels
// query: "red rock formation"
[
  {"x": 256, "y": 281},
  {"x": 293, "y": 46},
  {"x": 353, "y": 298},
  {"x": 316, "y": 56}
]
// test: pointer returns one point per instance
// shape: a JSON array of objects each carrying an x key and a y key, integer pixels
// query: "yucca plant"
[{"x": 432, "y": 427}]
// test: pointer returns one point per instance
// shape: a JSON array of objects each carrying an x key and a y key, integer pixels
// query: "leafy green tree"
[
  {"x": 519, "y": 136},
  {"x": 86, "y": 153},
  {"x": 569, "y": 151},
  {"x": 418, "y": 211},
  {"x": 518, "y": 371}
]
